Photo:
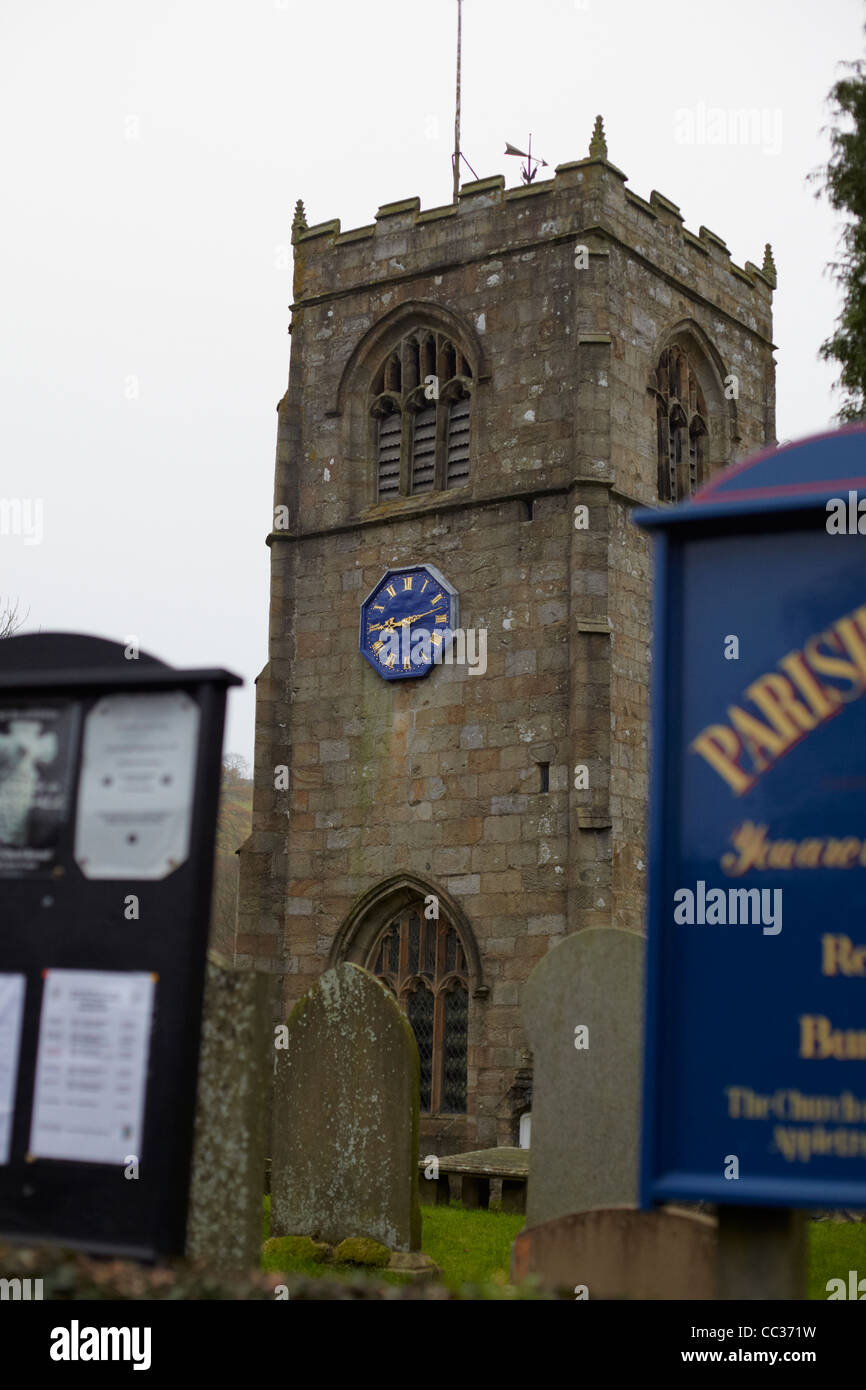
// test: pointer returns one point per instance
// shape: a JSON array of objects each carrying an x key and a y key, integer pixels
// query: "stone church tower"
[{"x": 486, "y": 388}]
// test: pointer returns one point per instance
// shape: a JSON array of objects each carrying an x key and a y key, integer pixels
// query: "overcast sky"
[{"x": 153, "y": 154}]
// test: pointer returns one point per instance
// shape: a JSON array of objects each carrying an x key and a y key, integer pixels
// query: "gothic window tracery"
[
  {"x": 420, "y": 405},
  {"x": 682, "y": 424},
  {"x": 422, "y": 961}
]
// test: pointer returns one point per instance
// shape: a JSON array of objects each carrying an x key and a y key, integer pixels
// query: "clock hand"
[
  {"x": 393, "y": 623},
  {"x": 413, "y": 617}
]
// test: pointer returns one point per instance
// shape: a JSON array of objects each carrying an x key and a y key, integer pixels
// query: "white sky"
[{"x": 153, "y": 153}]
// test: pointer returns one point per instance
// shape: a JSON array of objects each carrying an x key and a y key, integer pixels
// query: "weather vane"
[{"x": 527, "y": 173}]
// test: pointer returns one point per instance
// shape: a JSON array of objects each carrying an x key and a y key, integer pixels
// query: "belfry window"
[
  {"x": 421, "y": 402},
  {"x": 423, "y": 962},
  {"x": 389, "y": 427},
  {"x": 424, "y": 449},
  {"x": 681, "y": 415},
  {"x": 457, "y": 461}
]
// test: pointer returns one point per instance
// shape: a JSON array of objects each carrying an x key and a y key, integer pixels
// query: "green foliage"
[
  {"x": 287, "y": 1252},
  {"x": 834, "y": 1248},
  {"x": 843, "y": 183},
  {"x": 358, "y": 1251}
]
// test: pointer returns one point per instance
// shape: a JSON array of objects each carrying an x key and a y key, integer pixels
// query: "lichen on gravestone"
[
  {"x": 346, "y": 1106},
  {"x": 225, "y": 1207}
]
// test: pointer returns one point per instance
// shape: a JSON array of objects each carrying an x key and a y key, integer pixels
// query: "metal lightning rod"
[{"x": 455, "y": 162}]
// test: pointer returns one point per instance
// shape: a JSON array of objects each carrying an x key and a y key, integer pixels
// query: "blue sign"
[{"x": 755, "y": 1049}]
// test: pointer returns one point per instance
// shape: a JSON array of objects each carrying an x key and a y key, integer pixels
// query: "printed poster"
[
  {"x": 37, "y": 764},
  {"x": 91, "y": 1065},
  {"x": 135, "y": 795}
]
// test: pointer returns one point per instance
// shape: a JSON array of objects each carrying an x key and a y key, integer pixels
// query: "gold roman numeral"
[
  {"x": 424, "y": 585},
  {"x": 392, "y": 661},
  {"x": 378, "y": 608},
  {"x": 437, "y": 599},
  {"x": 389, "y": 589},
  {"x": 407, "y": 582}
]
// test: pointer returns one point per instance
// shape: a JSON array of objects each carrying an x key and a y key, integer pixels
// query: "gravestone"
[
  {"x": 582, "y": 1008},
  {"x": 621, "y": 1253},
  {"x": 346, "y": 1102},
  {"x": 224, "y": 1224}
]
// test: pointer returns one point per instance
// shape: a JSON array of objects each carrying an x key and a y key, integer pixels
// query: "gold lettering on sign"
[
  {"x": 840, "y": 957},
  {"x": 755, "y": 851},
  {"x": 819, "y": 1040},
  {"x": 790, "y": 705}
]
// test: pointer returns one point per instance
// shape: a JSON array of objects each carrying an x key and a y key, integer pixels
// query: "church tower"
[{"x": 478, "y": 396}]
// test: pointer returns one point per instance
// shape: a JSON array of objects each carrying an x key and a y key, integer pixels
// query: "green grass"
[
  {"x": 470, "y": 1247},
  {"x": 834, "y": 1248},
  {"x": 474, "y": 1248}
]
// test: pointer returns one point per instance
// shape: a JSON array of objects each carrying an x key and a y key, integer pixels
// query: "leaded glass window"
[
  {"x": 456, "y": 1031},
  {"x": 420, "y": 1008},
  {"x": 423, "y": 962}
]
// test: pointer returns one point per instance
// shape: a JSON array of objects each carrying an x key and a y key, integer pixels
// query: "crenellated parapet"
[{"x": 586, "y": 198}]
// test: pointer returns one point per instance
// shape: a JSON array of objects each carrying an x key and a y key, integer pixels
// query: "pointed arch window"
[
  {"x": 423, "y": 962},
  {"x": 421, "y": 407},
  {"x": 681, "y": 414}
]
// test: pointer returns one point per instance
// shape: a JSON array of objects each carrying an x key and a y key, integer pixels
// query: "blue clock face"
[{"x": 407, "y": 622}]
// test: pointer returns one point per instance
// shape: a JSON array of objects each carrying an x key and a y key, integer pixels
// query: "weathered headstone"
[
  {"x": 621, "y": 1253},
  {"x": 224, "y": 1225},
  {"x": 346, "y": 1101},
  {"x": 582, "y": 1009}
]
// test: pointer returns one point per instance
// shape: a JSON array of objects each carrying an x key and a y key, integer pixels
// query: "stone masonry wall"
[{"x": 439, "y": 778}]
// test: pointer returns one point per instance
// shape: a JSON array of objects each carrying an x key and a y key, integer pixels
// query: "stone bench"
[{"x": 468, "y": 1178}]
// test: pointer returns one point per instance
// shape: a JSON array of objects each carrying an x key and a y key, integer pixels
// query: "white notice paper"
[
  {"x": 136, "y": 790},
  {"x": 11, "y": 1015},
  {"x": 91, "y": 1065}
]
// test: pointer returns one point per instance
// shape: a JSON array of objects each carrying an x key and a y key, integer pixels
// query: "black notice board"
[{"x": 55, "y": 918}]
